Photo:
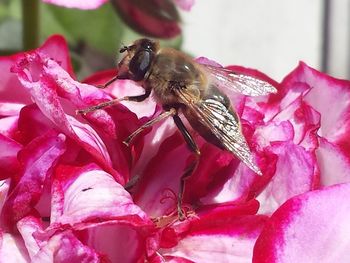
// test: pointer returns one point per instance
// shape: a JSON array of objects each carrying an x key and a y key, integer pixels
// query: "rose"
[{"x": 62, "y": 194}]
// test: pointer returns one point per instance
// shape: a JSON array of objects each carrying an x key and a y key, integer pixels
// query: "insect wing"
[
  {"x": 238, "y": 82},
  {"x": 223, "y": 125}
]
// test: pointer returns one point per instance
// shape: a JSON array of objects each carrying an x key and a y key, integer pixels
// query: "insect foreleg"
[
  {"x": 161, "y": 117},
  {"x": 109, "y": 82},
  {"x": 105, "y": 104}
]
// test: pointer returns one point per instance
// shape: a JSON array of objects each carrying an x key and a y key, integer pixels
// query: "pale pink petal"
[
  {"x": 273, "y": 131},
  {"x": 313, "y": 227},
  {"x": 10, "y": 109},
  {"x": 4, "y": 188},
  {"x": 295, "y": 174},
  {"x": 334, "y": 166},
  {"x": 80, "y": 4},
  {"x": 13, "y": 249}
]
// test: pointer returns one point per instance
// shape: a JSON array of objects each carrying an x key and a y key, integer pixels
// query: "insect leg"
[
  {"x": 105, "y": 104},
  {"x": 162, "y": 116},
  {"x": 190, "y": 169},
  {"x": 187, "y": 136},
  {"x": 109, "y": 82}
]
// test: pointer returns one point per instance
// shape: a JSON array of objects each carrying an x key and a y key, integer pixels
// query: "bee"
[{"x": 198, "y": 91}]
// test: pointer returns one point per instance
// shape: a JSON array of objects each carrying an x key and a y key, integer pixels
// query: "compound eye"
[{"x": 140, "y": 64}]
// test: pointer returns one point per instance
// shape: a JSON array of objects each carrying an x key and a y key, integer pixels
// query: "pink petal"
[
  {"x": 334, "y": 166},
  {"x": 81, "y": 4},
  {"x": 160, "y": 175},
  {"x": 226, "y": 234},
  {"x": 37, "y": 159},
  {"x": 12, "y": 249},
  {"x": 295, "y": 174},
  {"x": 8, "y": 156},
  {"x": 90, "y": 194},
  {"x": 55, "y": 48},
  {"x": 4, "y": 188},
  {"x": 106, "y": 238},
  {"x": 65, "y": 247},
  {"x": 9, "y": 126},
  {"x": 185, "y": 4},
  {"x": 312, "y": 227},
  {"x": 42, "y": 78}
]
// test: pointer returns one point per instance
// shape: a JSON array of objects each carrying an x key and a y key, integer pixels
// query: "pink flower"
[{"x": 62, "y": 194}]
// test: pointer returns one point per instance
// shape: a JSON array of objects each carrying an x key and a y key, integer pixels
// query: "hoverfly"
[{"x": 180, "y": 84}]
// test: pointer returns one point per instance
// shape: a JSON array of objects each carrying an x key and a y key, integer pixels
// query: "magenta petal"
[
  {"x": 90, "y": 194},
  {"x": 81, "y": 4},
  {"x": 37, "y": 159},
  {"x": 118, "y": 243},
  {"x": 313, "y": 227}
]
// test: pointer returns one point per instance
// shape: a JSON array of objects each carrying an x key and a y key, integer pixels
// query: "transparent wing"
[
  {"x": 237, "y": 82},
  {"x": 223, "y": 125}
]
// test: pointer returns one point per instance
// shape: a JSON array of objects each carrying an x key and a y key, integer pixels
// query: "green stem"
[{"x": 30, "y": 24}]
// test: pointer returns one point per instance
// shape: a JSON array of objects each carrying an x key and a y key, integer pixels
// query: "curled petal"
[
  {"x": 44, "y": 79},
  {"x": 27, "y": 227},
  {"x": 90, "y": 194},
  {"x": 317, "y": 220},
  {"x": 37, "y": 159}
]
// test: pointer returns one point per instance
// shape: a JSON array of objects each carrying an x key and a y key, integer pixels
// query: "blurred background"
[{"x": 271, "y": 35}]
